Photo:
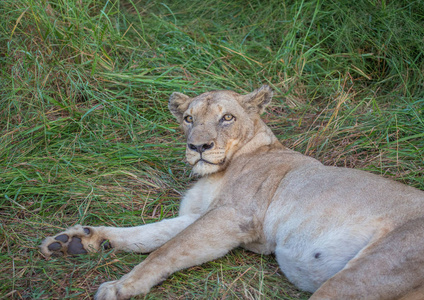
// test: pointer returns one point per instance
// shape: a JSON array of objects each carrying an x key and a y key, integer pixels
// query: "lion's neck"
[{"x": 263, "y": 137}]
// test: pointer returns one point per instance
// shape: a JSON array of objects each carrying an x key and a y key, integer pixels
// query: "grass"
[{"x": 86, "y": 137}]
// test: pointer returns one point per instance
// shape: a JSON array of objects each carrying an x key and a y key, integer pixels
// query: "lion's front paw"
[
  {"x": 75, "y": 240},
  {"x": 121, "y": 289},
  {"x": 109, "y": 291}
]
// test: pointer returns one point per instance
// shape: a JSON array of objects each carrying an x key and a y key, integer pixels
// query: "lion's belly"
[
  {"x": 311, "y": 248},
  {"x": 308, "y": 261}
]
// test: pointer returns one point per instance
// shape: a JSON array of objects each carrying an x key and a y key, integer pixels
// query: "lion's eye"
[
  {"x": 227, "y": 117},
  {"x": 188, "y": 119}
]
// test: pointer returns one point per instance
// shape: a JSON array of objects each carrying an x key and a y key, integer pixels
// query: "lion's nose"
[{"x": 201, "y": 148}]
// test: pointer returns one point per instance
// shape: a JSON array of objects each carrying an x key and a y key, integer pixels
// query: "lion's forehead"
[{"x": 208, "y": 105}]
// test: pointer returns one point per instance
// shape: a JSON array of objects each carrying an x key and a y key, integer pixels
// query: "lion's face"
[{"x": 217, "y": 124}]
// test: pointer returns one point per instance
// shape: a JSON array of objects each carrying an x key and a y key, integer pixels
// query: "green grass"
[{"x": 86, "y": 137}]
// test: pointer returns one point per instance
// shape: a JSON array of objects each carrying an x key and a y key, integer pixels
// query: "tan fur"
[{"x": 339, "y": 233}]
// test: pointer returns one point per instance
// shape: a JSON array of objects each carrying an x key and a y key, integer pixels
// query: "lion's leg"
[
  {"x": 146, "y": 238},
  {"x": 210, "y": 237},
  {"x": 390, "y": 268}
]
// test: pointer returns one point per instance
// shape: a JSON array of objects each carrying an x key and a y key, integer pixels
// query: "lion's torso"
[{"x": 315, "y": 218}]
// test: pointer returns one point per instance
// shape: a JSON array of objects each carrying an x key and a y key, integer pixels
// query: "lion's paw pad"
[{"x": 75, "y": 240}]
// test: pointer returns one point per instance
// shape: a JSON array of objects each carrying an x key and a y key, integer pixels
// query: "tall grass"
[{"x": 85, "y": 135}]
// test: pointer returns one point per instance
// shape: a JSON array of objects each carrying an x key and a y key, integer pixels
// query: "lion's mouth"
[{"x": 209, "y": 162}]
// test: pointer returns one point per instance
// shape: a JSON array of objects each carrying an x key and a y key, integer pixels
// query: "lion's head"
[{"x": 218, "y": 124}]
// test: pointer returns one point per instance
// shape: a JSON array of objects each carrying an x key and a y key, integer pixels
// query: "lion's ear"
[
  {"x": 178, "y": 104},
  {"x": 257, "y": 100}
]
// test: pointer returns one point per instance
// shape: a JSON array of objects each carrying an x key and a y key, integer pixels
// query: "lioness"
[{"x": 339, "y": 233}]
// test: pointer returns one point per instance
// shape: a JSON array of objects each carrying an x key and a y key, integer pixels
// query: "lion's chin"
[{"x": 202, "y": 168}]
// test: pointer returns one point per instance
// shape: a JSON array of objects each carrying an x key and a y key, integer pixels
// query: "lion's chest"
[{"x": 198, "y": 199}]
